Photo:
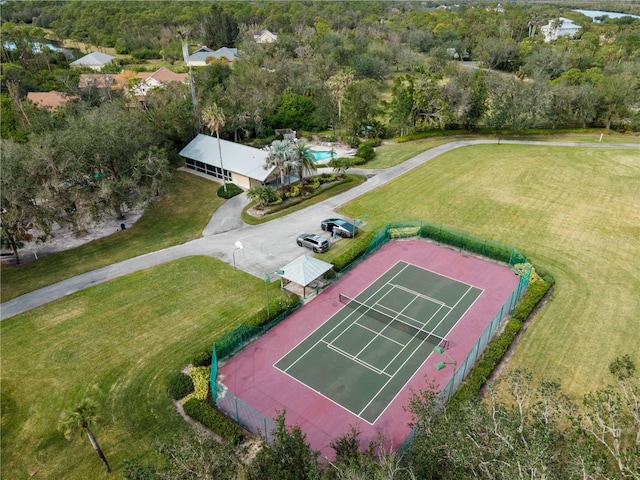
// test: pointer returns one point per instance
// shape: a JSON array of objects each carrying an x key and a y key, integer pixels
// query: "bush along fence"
[{"x": 530, "y": 286}]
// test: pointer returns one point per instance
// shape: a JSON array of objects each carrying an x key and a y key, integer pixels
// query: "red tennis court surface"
[{"x": 252, "y": 377}]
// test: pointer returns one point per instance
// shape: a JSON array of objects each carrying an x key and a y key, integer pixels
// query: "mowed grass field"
[
  {"x": 116, "y": 342},
  {"x": 570, "y": 210},
  {"x": 573, "y": 211}
]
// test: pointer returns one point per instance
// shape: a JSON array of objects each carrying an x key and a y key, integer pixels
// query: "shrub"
[
  {"x": 200, "y": 377},
  {"x": 326, "y": 177},
  {"x": 354, "y": 142},
  {"x": 366, "y": 151},
  {"x": 294, "y": 191},
  {"x": 180, "y": 385},
  {"x": 232, "y": 191},
  {"x": 202, "y": 359},
  {"x": 358, "y": 161},
  {"x": 213, "y": 419}
]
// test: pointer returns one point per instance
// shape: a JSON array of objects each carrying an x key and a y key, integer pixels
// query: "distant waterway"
[
  {"x": 38, "y": 47},
  {"x": 601, "y": 13}
]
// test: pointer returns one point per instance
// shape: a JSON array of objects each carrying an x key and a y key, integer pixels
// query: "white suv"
[{"x": 315, "y": 242}]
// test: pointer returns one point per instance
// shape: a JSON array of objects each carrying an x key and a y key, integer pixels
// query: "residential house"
[
  {"x": 560, "y": 27},
  {"x": 159, "y": 78},
  {"x": 95, "y": 61},
  {"x": 50, "y": 100},
  {"x": 240, "y": 164},
  {"x": 202, "y": 56},
  {"x": 265, "y": 36}
]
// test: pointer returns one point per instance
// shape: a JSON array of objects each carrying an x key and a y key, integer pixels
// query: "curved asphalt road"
[{"x": 267, "y": 247}]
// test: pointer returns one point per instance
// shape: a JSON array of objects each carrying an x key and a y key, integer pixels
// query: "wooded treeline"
[
  {"x": 348, "y": 69},
  {"x": 524, "y": 429}
]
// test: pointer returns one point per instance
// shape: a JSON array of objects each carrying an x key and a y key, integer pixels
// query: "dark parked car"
[
  {"x": 315, "y": 242},
  {"x": 340, "y": 227}
]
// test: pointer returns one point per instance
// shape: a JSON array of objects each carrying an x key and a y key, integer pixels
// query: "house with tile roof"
[
  {"x": 202, "y": 56},
  {"x": 95, "y": 60},
  {"x": 160, "y": 78},
  {"x": 50, "y": 100}
]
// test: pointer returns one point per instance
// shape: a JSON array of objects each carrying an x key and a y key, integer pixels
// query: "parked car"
[
  {"x": 340, "y": 227},
  {"x": 315, "y": 242}
]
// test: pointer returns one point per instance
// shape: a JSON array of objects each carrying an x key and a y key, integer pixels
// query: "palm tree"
[
  {"x": 281, "y": 155},
  {"x": 338, "y": 85},
  {"x": 214, "y": 119},
  {"x": 83, "y": 417},
  {"x": 305, "y": 161}
]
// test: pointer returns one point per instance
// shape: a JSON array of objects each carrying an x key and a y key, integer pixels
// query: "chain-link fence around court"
[{"x": 234, "y": 341}]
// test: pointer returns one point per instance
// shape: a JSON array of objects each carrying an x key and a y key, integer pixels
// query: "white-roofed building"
[
  {"x": 243, "y": 165},
  {"x": 200, "y": 57},
  {"x": 560, "y": 27},
  {"x": 95, "y": 60},
  {"x": 265, "y": 36}
]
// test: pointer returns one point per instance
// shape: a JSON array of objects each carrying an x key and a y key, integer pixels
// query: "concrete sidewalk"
[{"x": 266, "y": 247}]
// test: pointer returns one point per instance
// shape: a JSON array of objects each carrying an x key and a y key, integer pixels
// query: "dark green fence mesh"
[{"x": 237, "y": 339}]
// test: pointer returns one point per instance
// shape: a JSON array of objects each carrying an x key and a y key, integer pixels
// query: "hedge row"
[
  {"x": 214, "y": 420},
  {"x": 496, "y": 350},
  {"x": 348, "y": 256}
]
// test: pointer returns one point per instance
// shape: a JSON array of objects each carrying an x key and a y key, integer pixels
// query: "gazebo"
[{"x": 304, "y": 270}]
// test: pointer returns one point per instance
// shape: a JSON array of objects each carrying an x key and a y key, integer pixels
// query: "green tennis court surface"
[{"x": 362, "y": 356}]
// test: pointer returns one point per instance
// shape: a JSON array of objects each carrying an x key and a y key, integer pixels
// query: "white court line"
[
  {"x": 364, "y": 327},
  {"x": 419, "y": 295},
  {"x": 417, "y": 369},
  {"x": 412, "y": 338},
  {"x": 413, "y": 353},
  {"x": 356, "y": 359}
]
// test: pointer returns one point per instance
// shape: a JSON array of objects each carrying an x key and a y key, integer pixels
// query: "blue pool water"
[{"x": 321, "y": 155}]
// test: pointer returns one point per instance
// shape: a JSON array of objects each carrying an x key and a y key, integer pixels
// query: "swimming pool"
[{"x": 322, "y": 155}]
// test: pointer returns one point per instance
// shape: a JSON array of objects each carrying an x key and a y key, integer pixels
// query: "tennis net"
[{"x": 393, "y": 322}]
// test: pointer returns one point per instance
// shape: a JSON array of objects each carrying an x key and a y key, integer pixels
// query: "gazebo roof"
[{"x": 305, "y": 269}]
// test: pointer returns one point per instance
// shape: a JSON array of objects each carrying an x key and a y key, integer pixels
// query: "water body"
[
  {"x": 38, "y": 47},
  {"x": 601, "y": 13}
]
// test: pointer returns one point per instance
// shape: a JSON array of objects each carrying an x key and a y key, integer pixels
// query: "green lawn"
[
  {"x": 177, "y": 217},
  {"x": 573, "y": 211},
  {"x": 116, "y": 342}
]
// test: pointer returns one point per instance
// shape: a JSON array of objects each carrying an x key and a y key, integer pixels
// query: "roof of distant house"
[
  {"x": 50, "y": 100},
  {"x": 265, "y": 35},
  {"x": 203, "y": 53},
  {"x": 95, "y": 59},
  {"x": 102, "y": 80},
  {"x": 164, "y": 76}
]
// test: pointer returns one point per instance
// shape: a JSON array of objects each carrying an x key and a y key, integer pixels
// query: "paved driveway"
[{"x": 266, "y": 247}]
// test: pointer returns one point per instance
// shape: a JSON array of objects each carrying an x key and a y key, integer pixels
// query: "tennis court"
[{"x": 364, "y": 354}]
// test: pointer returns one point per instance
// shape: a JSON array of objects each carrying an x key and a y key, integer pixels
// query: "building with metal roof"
[{"x": 240, "y": 164}]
